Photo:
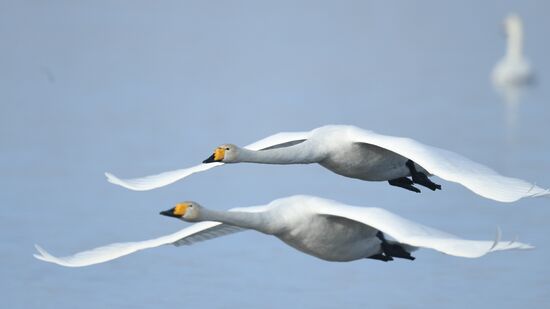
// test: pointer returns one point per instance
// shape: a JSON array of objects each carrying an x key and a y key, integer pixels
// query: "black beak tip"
[
  {"x": 168, "y": 213},
  {"x": 210, "y": 159}
]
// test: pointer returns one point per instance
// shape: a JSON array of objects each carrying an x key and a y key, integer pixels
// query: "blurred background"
[{"x": 140, "y": 87}]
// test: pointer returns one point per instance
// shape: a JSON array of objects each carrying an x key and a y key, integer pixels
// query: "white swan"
[
  {"x": 513, "y": 68},
  {"x": 512, "y": 73},
  {"x": 356, "y": 153},
  {"x": 319, "y": 227}
]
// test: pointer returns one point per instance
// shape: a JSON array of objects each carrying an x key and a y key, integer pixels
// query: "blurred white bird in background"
[
  {"x": 514, "y": 69},
  {"x": 323, "y": 228},
  {"x": 513, "y": 72}
]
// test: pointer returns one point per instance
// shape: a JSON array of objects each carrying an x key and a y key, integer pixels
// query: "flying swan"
[
  {"x": 319, "y": 227},
  {"x": 353, "y": 152}
]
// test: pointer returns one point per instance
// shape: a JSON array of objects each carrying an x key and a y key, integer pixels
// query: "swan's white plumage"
[
  {"x": 286, "y": 211},
  {"x": 443, "y": 163}
]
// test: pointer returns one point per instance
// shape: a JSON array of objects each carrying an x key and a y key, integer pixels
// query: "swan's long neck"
[
  {"x": 297, "y": 154},
  {"x": 248, "y": 220},
  {"x": 515, "y": 39}
]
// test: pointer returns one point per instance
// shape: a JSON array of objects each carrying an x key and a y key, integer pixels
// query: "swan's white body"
[
  {"x": 323, "y": 228},
  {"x": 357, "y": 153},
  {"x": 514, "y": 68}
]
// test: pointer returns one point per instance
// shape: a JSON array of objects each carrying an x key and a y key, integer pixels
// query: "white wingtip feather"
[
  {"x": 545, "y": 193},
  {"x": 110, "y": 177},
  {"x": 541, "y": 192},
  {"x": 123, "y": 183},
  {"x": 45, "y": 256},
  {"x": 525, "y": 246},
  {"x": 518, "y": 245},
  {"x": 510, "y": 245},
  {"x": 497, "y": 239}
]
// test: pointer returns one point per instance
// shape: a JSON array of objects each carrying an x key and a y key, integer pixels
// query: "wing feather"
[
  {"x": 453, "y": 167},
  {"x": 213, "y": 232},
  {"x": 415, "y": 234},
  {"x": 116, "y": 250}
]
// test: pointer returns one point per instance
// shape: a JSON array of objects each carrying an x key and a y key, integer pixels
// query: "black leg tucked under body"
[
  {"x": 389, "y": 251},
  {"x": 404, "y": 183},
  {"x": 381, "y": 257},
  {"x": 421, "y": 178}
]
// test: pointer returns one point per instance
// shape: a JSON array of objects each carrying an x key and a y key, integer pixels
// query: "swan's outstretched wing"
[
  {"x": 453, "y": 167},
  {"x": 197, "y": 232},
  {"x": 187, "y": 236},
  {"x": 417, "y": 235},
  {"x": 159, "y": 180},
  {"x": 278, "y": 140}
]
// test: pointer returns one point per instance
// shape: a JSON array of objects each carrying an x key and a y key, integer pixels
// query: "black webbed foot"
[
  {"x": 395, "y": 250},
  {"x": 381, "y": 257},
  {"x": 389, "y": 251},
  {"x": 404, "y": 183},
  {"x": 421, "y": 178}
]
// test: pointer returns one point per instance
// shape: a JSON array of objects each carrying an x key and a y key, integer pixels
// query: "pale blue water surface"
[{"x": 140, "y": 87}]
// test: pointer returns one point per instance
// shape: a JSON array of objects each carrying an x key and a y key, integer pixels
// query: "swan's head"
[
  {"x": 225, "y": 153},
  {"x": 188, "y": 211},
  {"x": 512, "y": 25}
]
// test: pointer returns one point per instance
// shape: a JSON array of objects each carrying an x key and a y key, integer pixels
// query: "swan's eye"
[{"x": 227, "y": 148}]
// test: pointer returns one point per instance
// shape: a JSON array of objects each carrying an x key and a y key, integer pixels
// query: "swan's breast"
[{"x": 512, "y": 72}]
